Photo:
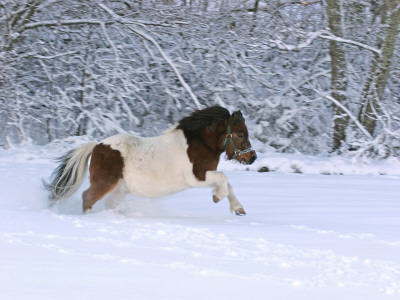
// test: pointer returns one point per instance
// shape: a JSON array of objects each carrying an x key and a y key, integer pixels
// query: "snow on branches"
[{"x": 99, "y": 67}]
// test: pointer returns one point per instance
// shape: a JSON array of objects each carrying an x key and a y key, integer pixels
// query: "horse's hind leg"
[
  {"x": 116, "y": 196},
  {"x": 94, "y": 193},
  {"x": 105, "y": 169}
]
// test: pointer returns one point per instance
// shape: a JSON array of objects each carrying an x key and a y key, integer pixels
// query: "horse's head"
[{"x": 236, "y": 143}]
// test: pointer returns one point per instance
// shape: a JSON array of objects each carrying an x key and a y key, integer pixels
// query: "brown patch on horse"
[
  {"x": 106, "y": 167},
  {"x": 202, "y": 157},
  {"x": 203, "y": 130}
]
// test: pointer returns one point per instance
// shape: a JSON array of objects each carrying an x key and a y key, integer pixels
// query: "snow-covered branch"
[
  {"x": 331, "y": 37},
  {"x": 323, "y": 34},
  {"x": 347, "y": 111},
  {"x": 163, "y": 54},
  {"x": 52, "y": 23}
]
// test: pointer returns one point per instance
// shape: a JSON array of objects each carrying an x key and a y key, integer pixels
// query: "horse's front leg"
[
  {"x": 224, "y": 189},
  {"x": 234, "y": 203}
]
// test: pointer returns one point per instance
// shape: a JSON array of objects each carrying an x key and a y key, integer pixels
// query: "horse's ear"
[{"x": 237, "y": 117}]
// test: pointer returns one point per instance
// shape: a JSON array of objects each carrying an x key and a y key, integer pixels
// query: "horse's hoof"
[
  {"x": 240, "y": 212},
  {"x": 87, "y": 211},
  {"x": 216, "y": 199}
]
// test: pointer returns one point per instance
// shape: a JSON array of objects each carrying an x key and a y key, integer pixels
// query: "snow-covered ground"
[{"x": 305, "y": 236}]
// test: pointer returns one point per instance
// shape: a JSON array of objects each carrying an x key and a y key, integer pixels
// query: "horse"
[{"x": 183, "y": 157}]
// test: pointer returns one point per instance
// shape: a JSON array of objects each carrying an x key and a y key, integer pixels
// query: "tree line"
[{"x": 311, "y": 76}]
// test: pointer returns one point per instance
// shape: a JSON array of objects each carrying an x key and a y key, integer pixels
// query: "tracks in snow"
[{"x": 240, "y": 250}]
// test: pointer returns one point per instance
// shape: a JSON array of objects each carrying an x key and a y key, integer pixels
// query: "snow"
[{"x": 305, "y": 236}]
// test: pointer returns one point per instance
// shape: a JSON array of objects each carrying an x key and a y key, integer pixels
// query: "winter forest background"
[{"x": 310, "y": 76}]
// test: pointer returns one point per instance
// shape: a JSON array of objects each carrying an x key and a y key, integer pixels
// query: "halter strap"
[{"x": 228, "y": 138}]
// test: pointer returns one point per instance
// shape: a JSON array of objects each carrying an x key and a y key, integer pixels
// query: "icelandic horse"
[{"x": 183, "y": 157}]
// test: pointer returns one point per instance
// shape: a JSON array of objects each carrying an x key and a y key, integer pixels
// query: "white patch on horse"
[{"x": 154, "y": 166}]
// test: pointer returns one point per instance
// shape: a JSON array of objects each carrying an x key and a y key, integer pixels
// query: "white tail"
[{"x": 69, "y": 175}]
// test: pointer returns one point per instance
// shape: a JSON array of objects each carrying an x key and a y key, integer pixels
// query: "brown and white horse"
[{"x": 184, "y": 157}]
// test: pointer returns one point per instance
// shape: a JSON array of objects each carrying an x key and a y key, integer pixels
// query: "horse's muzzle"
[
  {"x": 249, "y": 161},
  {"x": 252, "y": 159}
]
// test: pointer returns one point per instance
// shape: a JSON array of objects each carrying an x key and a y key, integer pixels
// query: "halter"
[{"x": 236, "y": 150}]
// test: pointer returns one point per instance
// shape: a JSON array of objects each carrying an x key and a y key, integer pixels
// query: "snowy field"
[{"x": 305, "y": 236}]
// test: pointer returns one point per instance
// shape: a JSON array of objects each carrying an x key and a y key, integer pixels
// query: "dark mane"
[{"x": 202, "y": 118}]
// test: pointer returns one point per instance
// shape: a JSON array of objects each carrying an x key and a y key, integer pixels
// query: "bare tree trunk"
[
  {"x": 205, "y": 5},
  {"x": 338, "y": 73},
  {"x": 375, "y": 84},
  {"x": 256, "y": 3}
]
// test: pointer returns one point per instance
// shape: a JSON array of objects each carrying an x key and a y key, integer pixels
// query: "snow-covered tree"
[{"x": 309, "y": 75}]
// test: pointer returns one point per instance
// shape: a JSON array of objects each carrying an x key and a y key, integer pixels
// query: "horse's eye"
[{"x": 240, "y": 135}]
